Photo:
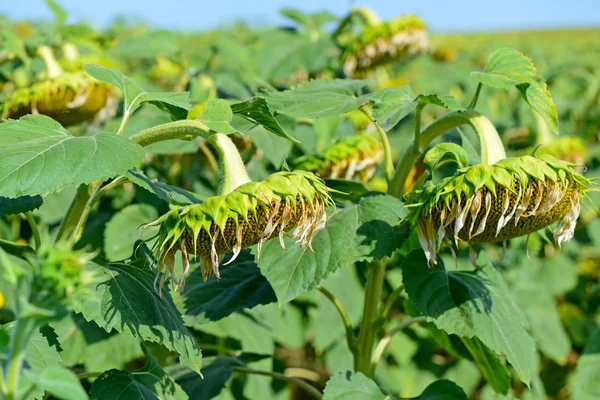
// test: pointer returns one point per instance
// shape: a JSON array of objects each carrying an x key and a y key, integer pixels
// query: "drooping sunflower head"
[
  {"x": 399, "y": 38},
  {"x": 249, "y": 215},
  {"x": 70, "y": 98},
  {"x": 491, "y": 203},
  {"x": 354, "y": 156}
]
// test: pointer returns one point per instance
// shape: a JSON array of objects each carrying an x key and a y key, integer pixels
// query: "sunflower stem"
[
  {"x": 234, "y": 171},
  {"x": 53, "y": 68},
  {"x": 544, "y": 136},
  {"x": 475, "y": 96},
  {"x": 387, "y": 149},
  {"x": 308, "y": 388},
  {"x": 350, "y": 337},
  {"x": 184, "y": 129},
  {"x": 492, "y": 149},
  {"x": 34, "y": 230}
]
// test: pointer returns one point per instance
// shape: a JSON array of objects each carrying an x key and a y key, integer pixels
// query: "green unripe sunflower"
[
  {"x": 490, "y": 203},
  {"x": 356, "y": 155},
  {"x": 399, "y": 38},
  {"x": 250, "y": 214}
]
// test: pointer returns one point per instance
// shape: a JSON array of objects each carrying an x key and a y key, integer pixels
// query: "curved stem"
[
  {"x": 53, "y": 68},
  {"x": 544, "y": 136},
  {"x": 184, "y": 129},
  {"x": 276, "y": 375},
  {"x": 492, "y": 149},
  {"x": 387, "y": 339},
  {"x": 389, "y": 303},
  {"x": 210, "y": 158},
  {"x": 362, "y": 358},
  {"x": 476, "y": 96},
  {"x": 74, "y": 212},
  {"x": 387, "y": 149},
  {"x": 234, "y": 170},
  {"x": 34, "y": 230},
  {"x": 350, "y": 337}
]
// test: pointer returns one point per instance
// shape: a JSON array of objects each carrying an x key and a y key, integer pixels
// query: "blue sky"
[{"x": 441, "y": 15}]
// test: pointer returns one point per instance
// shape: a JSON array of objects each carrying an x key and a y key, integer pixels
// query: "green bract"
[
  {"x": 489, "y": 203},
  {"x": 356, "y": 155},
  {"x": 250, "y": 214},
  {"x": 402, "y": 37},
  {"x": 70, "y": 98}
]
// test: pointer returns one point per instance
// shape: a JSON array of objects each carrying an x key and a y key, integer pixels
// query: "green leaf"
[
  {"x": 392, "y": 104},
  {"x": 19, "y": 205},
  {"x": 216, "y": 371},
  {"x": 275, "y": 149},
  {"x": 217, "y": 116},
  {"x": 60, "y": 15},
  {"x": 352, "y": 386},
  {"x": 506, "y": 68},
  {"x": 241, "y": 286},
  {"x": 361, "y": 232},
  {"x": 59, "y": 382},
  {"x": 442, "y": 154},
  {"x": 134, "y": 95},
  {"x": 127, "y": 301},
  {"x": 148, "y": 383},
  {"x": 587, "y": 376},
  {"x": 257, "y": 111},
  {"x": 38, "y": 156},
  {"x": 319, "y": 98},
  {"x": 537, "y": 95},
  {"x": 472, "y": 303},
  {"x": 171, "y": 194},
  {"x": 442, "y": 390},
  {"x": 493, "y": 369},
  {"x": 442, "y": 100},
  {"x": 124, "y": 229}
]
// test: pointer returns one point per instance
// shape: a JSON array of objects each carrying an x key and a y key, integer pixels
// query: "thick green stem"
[
  {"x": 74, "y": 212},
  {"x": 387, "y": 149},
  {"x": 350, "y": 337},
  {"x": 34, "y": 230},
  {"x": 276, "y": 375},
  {"x": 19, "y": 339},
  {"x": 184, "y": 129},
  {"x": 492, "y": 149},
  {"x": 544, "y": 136},
  {"x": 362, "y": 359},
  {"x": 234, "y": 170},
  {"x": 53, "y": 68}
]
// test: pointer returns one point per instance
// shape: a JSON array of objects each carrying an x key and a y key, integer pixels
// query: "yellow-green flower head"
[
  {"x": 490, "y": 203},
  {"x": 354, "y": 156},
  {"x": 250, "y": 214},
  {"x": 70, "y": 99},
  {"x": 400, "y": 38}
]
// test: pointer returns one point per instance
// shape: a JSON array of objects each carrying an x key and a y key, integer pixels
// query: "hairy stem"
[
  {"x": 387, "y": 149},
  {"x": 350, "y": 337},
  {"x": 387, "y": 339},
  {"x": 184, "y": 129},
  {"x": 492, "y": 149},
  {"x": 34, "y": 230},
  {"x": 362, "y": 359},
  {"x": 234, "y": 170},
  {"x": 276, "y": 375}
]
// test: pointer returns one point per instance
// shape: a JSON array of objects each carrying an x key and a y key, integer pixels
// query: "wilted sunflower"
[
  {"x": 251, "y": 214},
  {"x": 491, "y": 203},
  {"x": 68, "y": 97},
  {"x": 400, "y": 38},
  {"x": 356, "y": 155}
]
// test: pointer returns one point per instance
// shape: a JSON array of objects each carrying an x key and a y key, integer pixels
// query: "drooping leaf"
[
  {"x": 128, "y": 302},
  {"x": 537, "y": 95},
  {"x": 472, "y": 303},
  {"x": 19, "y": 205},
  {"x": 241, "y": 286},
  {"x": 125, "y": 228},
  {"x": 442, "y": 100},
  {"x": 319, "y": 98},
  {"x": 361, "y": 232},
  {"x": 256, "y": 110},
  {"x": 352, "y": 386},
  {"x": 392, "y": 104},
  {"x": 216, "y": 370},
  {"x": 170, "y": 194},
  {"x": 506, "y": 68},
  {"x": 217, "y": 116},
  {"x": 134, "y": 95},
  {"x": 38, "y": 156}
]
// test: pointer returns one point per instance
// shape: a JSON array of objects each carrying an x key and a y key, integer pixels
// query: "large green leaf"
[
  {"x": 506, "y": 68},
  {"x": 125, "y": 228},
  {"x": 217, "y": 116},
  {"x": 134, "y": 95},
  {"x": 216, "y": 371},
  {"x": 537, "y": 95},
  {"x": 19, "y": 205},
  {"x": 241, "y": 286},
  {"x": 38, "y": 156},
  {"x": 319, "y": 98},
  {"x": 171, "y": 194},
  {"x": 391, "y": 104},
  {"x": 257, "y": 111},
  {"x": 128, "y": 302},
  {"x": 493, "y": 369},
  {"x": 587, "y": 377},
  {"x": 148, "y": 383},
  {"x": 352, "y": 386},
  {"x": 472, "y": 303},
  {"x": 361, "y": 232},
  {"x": 59, "y": 382}
]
